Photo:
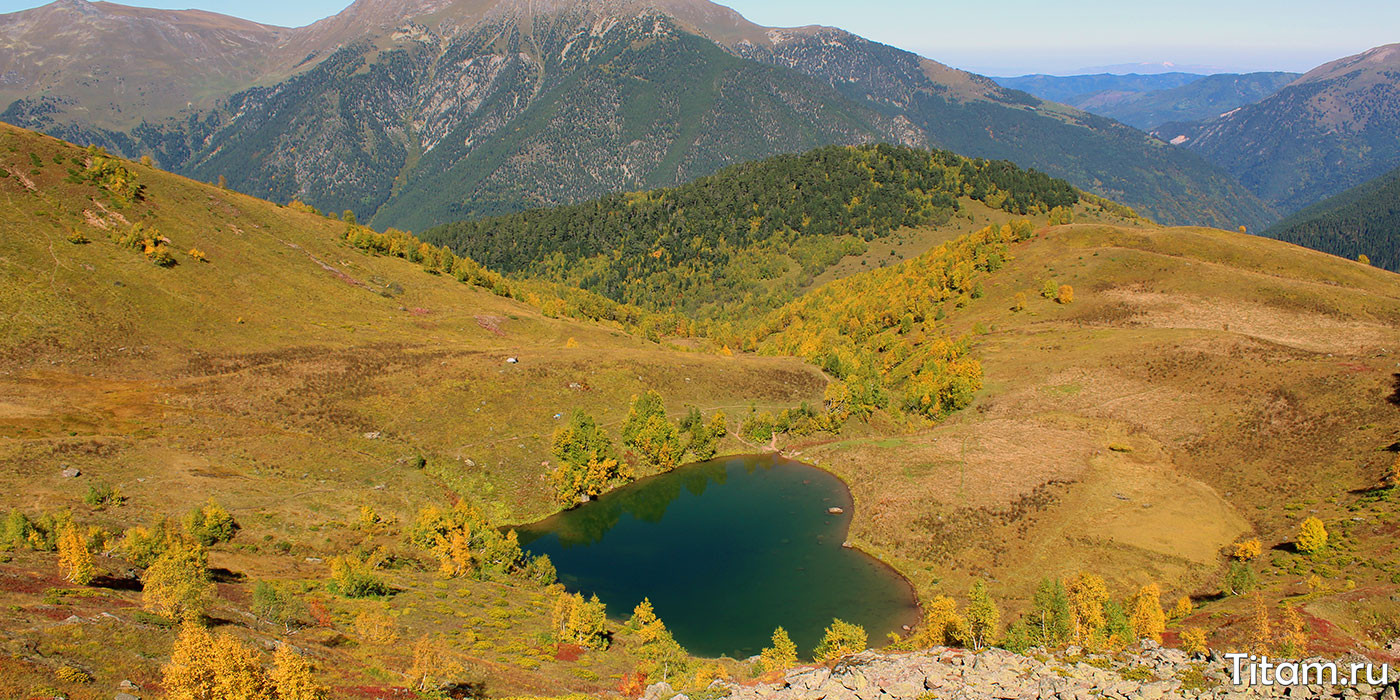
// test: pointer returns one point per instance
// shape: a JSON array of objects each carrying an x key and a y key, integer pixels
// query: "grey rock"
[
  {"x": 125, "y": 696},
  {"x": 70, "y": 473},
  {"x": 658, "y": 691}
]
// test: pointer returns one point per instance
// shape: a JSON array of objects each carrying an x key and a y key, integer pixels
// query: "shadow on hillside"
[
  {"x": 113, "y": 583},
  {"x": 222, "y": 575},
  {"x": 466, "y": 691},
  {"x": 1200, "y": 599},
  {"x": 1395, "y": 395}
]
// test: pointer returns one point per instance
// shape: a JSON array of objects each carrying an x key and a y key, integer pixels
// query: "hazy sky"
[{"x": 1026, "y": 36}]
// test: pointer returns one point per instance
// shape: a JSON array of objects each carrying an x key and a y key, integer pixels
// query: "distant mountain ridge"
[
  {"x": 1331, "y": 129},
  {"x": 1149, "y": 101},
  {"x": 438, "y": 110},
  {"x": 1073, "y": 89}
]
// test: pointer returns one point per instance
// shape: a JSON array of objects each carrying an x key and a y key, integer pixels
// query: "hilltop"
[
  {"x": 1007, "y": 400},
  {"x": 443, "y": 110}
]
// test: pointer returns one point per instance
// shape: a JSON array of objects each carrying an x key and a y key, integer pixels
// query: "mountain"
[
  {"x": 114, "y": 66},
  {"x": 1332, "y": 129},
  {"x": 1364, "y": 220},
  {"x": 1153, "y": 68},
  {"x": 449, "y": 109},
  {"x": 1148, "y": 101},
  {"x": 1073, "y": 89}
]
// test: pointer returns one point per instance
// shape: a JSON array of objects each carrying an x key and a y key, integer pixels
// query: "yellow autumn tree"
[
  {"x": 1147, "y": 618},
  {"x": 841, "y": 639},
  {"x": 190, "y": 673},
  {"x": 943, "y": 626},
  {"x": 1194, "y": 641},
  {"x": 983, "y": 616},
  {"x": 205, "y": 667},
  {"x": 1183, "y": 608},
  {"x": 782, "y": 655},
  {"x": 432, "y": 668},
  {"x": 238, "y": 672},
  {"x": 1312, "y": 536},
  {"x": 642, "y": 615},
  {"x": 1261, "y": 628},
  {"x": 177, "y": 584},
  {"x": 74, "y": 559},
  {"x": 1065, "y": 294},
  {"x": 293, "y": 677},
  {"x": 1087, "y": 595},
  {"x": 1247, "y": 549},
  {"x": 1294, "y": 640}
]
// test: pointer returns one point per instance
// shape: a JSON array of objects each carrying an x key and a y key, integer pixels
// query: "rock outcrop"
[{"x": 1148, "y": 672}]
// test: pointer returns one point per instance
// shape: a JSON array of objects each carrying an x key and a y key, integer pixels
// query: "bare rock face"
[{"x": 1149, "y": 672}]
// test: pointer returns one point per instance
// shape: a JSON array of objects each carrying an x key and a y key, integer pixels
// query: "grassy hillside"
[
  {"x": 1364, "y": 220},
  {"x": 1201, "y": 388},
  {"x": 296, "y": 379}
]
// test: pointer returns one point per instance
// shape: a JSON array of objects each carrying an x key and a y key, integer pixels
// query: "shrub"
[
  {"x": 68, "y": 674},
  {"x": 210, "y": 524},
  {"x": 279, "y": 605},
  {"x": 1065, "y": 294},
  {"x": 198, "y": 255},
  {"x": 353, "y": 577},
  {"x": 102, "y": 495}
]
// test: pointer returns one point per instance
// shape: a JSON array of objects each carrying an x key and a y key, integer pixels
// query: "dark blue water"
[{"x": 726, "y": 551}]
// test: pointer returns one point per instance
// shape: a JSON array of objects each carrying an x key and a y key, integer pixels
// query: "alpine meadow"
[{"x": 559, "y": 349}]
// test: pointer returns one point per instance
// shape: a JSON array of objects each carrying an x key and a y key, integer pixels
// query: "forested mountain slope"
[
  {"x": 750, "y": 238},
  {"x": 1364, "y": 220}
]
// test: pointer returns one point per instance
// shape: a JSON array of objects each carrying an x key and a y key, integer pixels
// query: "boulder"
[{"x": 658, "y": 691}]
